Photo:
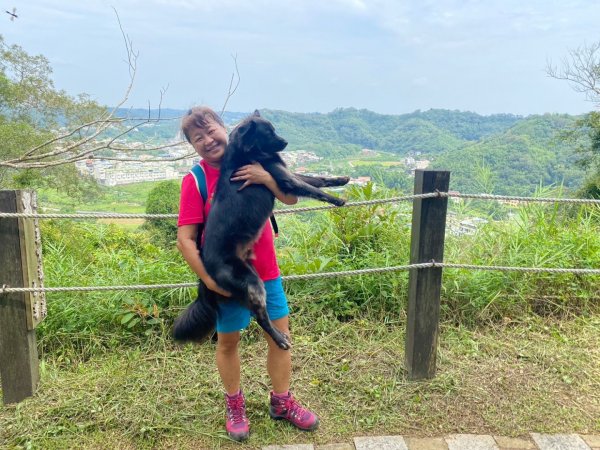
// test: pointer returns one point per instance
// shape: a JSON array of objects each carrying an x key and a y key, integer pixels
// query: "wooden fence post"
[
  {"x": 19, "y": 365},
  {"x": 424, "y": 285}
]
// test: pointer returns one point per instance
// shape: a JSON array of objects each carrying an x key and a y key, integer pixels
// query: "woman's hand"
[
  {"x": 212, "y": 285},
  {"x": 255, "y": 174},
  {"x": 252, "y": 174}
]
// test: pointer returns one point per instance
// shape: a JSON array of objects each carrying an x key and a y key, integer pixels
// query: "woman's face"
[{"x": 209, "y": 142}]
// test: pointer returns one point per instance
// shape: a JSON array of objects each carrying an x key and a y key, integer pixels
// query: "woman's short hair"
[{"x": 199, "y": 116}]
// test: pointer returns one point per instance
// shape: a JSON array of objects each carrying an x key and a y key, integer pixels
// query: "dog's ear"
[
  {"x": 246, "y": 135},
  {"x": 247, "y": 129},
  {"x": 256, "y": 113}
]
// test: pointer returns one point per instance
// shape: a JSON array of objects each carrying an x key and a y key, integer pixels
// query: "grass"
[
  {"x": 509, "y": 379},
  {"x": 517, "y": 353},
  {"x": 127, "y": 198}
]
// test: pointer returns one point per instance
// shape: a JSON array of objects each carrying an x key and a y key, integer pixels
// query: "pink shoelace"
[
  {"x": 236, "y": 409},
  {"x": 294, "y": 409}
]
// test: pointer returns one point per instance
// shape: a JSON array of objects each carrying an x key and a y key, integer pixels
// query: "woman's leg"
[
  {"x": 279, "y": 362},
  {"x": 228, "y": 361},
  {"x": 282, "y": 403}
]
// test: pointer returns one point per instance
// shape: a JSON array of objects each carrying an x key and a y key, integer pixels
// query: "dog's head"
[{"x": 256, "y": 138}]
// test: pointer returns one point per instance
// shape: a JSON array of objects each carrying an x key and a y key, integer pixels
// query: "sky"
[{"x": 388, "y": 56}]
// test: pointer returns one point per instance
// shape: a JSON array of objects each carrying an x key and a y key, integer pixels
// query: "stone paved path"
[{"x": 536, "y": 441}]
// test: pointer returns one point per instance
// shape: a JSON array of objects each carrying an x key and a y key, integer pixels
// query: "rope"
[
  {"x": 132, "y": 287},
  {"x": 175, "y": 216},
  {"x": 432, "y": 264},
  {"x": 312, "y": 208},
  {"x": 89, "y": 216},
  {"x": 588, "y": 201},
  {"x": 517, "y": 269}
]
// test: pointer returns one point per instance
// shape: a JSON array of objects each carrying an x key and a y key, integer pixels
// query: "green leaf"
[
  {"x": 126, "y": 318},
  {"x": 133, "y": 322}
]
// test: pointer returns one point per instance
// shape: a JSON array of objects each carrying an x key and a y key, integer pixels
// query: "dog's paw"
[
  {"x": 284, "y": 345},
  {"x": 283, "y": 341}
]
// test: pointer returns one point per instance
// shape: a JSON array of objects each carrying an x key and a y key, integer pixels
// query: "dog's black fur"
[{"x": 234, "y": 224}]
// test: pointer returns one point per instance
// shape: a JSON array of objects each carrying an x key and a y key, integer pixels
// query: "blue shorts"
[{"x": 232, "y": 316}]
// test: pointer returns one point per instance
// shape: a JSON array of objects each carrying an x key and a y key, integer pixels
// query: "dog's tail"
[{"x": 197, "y": 322}]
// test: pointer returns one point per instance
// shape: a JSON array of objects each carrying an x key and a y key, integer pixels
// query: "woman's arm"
[
  {"x": 256, "y": 174},
  {"x": 186, "y": 244}
]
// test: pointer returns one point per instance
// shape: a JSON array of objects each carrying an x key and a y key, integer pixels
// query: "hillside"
[
  {"x": 519, "y": 152},
  {"x": 429, "y": 132},
  {"x": 520, "y": 158}
]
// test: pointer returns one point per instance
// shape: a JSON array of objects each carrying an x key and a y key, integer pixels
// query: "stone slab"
[
  {"x": 514, "y": 443},
  {"x": 593, "y": 440},
  {"x": 559, "y": 441},
  {"x": 343, "y": 446},
  {"x": 426, "y": 443},
  {"x": 471, "y": 442},
  {"x": 290, "y": 447},
  {"x": 380, "y": 443}
]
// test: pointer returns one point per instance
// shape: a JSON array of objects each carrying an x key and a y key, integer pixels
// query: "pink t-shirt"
[{"x": 193, "y": 211}]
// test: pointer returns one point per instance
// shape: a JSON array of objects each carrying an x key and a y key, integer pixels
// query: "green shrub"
[
  {"x": 163, "y": 199},
  {"x": 538, "y": 235},
  {"x": 92, "y": 254}
]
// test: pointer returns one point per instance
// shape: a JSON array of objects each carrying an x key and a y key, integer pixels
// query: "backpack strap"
[
  {"x": 274, "y": 225},
  {"x": 200, "y": 178}
]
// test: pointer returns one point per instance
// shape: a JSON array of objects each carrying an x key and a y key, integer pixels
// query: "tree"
[
  {"x": 43, "y": 129},
  {"x": 582, "y": 70},
  {"x": 30, "y": 108},
  {"x": 163, "y": 199}
]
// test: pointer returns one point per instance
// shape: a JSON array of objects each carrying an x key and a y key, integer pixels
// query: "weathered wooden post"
[
  {"x": 20, "y": 266},
  {"x": 424, "y": 285}
]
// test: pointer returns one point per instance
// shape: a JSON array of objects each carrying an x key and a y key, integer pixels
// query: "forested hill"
[
  {"x": 517, "y": 160},
  {"x": 431, "y": 132},
  {"x": 514, "y": 154},
  {"x": 500, "y": 153}
]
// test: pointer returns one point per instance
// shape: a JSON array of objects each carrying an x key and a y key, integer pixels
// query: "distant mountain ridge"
[{"x": 520, "y": 152}]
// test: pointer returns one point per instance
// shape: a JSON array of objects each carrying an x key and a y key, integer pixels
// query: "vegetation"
[
  {"x": 521, "y": 152},
  {"x": 30, "y": 109},
  {"x": 518, "y": 352},
  {"x": 582, "y": 70},
  {"x": 529, "y": 375},
  {"x": 163, "y": 199},
  {"x": 427, "y": 132},
  {"x": 532, "y": 145}
]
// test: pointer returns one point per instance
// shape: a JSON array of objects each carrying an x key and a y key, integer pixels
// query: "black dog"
[{"x": 234, "y": 224}]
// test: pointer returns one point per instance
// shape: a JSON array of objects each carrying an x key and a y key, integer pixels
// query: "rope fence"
[
  {"x": 309, "y": 276},
  {"x": 21, "y": 265},
  {"x": 96, "y": 215}
]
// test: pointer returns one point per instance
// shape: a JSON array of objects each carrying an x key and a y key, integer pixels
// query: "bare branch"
[
  {"x": 176, "y": 158},
  {"x": 86, "y": 140},
  {"x": 82, "y": 157},
  {"x": 230, "y": 92},
  {"x": 66, "y": 135},
  {"x": 98, "y": 126},
  {"x": 582, "y": 70}
]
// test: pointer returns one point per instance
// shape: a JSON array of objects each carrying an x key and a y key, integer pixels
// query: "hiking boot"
[
  {"x": 286, "y": 407},
  {"x": 237, "y": 424}
]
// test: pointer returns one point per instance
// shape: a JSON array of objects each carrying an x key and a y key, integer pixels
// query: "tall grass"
[
  {"x": 93, "y": 254},
  {"x": 537, "y": 235}
]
